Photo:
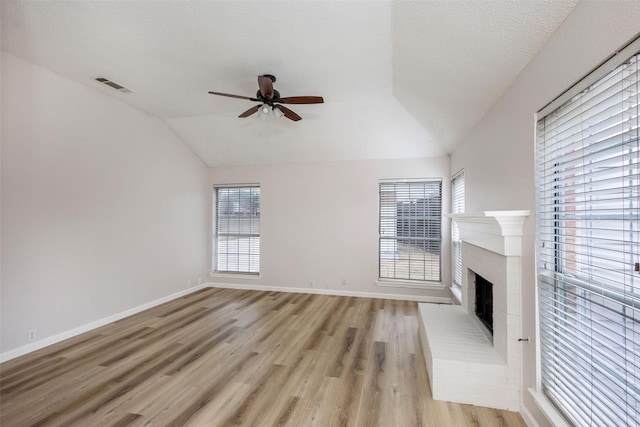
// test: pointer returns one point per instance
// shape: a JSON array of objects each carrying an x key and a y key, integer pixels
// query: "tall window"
[
  {"x": 457, "y": 206},
  {"x": 237, "y": 229},
  {"x": 410, "y": 235},
  {"x": 588, "y": 215}
]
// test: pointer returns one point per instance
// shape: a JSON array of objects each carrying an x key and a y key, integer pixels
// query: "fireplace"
[
  {"x": 473, "y": 351},
  {"x": 484, "y": 301}
]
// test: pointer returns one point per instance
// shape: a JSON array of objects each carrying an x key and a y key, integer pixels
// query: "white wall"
[
  {"x": 103, "y": 207},
  {"x": 319, "y": 222},
  {"x": 498, "y": 155}
]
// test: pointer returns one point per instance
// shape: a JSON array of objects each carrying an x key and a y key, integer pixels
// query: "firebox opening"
[{"x": 484, "y": 302}]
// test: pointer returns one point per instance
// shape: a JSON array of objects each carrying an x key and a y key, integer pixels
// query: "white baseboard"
[
  {"x": 37, "y": 345},
  {"x": 527, "y": 416},
  {"x": 553, "y": 416},
  {"x": 320, "y": 291},
  {"x": 456, "y": 292}
]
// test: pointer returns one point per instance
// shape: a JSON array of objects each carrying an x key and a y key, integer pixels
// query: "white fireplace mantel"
[{"x": 497, "y": 231}]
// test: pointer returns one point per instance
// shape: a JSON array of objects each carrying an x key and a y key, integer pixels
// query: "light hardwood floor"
[{"x": 222, "y": 357}]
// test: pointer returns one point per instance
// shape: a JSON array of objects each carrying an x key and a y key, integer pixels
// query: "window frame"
[
  {"x": 588, "y": 311},
  {"x": 457, "y": 206},
  {"x": 387, "y": 212},
  {"x": 250, "y": 254}
]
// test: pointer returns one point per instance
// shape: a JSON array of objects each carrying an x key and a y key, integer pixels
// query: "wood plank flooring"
[{"x": 222, "y": 357}]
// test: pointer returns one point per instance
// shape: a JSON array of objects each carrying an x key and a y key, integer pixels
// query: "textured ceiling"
[{"x": 400, "y": 79}]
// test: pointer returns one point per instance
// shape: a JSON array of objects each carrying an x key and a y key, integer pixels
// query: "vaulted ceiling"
[{"x": 400, "y": 79}]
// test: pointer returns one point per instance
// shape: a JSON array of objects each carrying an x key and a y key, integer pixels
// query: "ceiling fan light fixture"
[{"x": 270, "y": 100}]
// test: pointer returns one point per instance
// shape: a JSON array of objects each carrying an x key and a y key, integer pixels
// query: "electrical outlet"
[
  {"x": 188, "y": 283},
  {"x": 344, "y": 282},
  {"x": 311, "y": 284},
  {"x": 31, "y": 335}
]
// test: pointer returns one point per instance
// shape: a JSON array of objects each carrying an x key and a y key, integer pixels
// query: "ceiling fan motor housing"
[{"x": 276, "y": 97}]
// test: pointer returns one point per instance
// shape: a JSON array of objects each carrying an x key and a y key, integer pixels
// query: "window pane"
[
  {"x": 410, "y": 230},
  {"x": 237, "y": 229},
  {"x": 588, "y": 214},
  {"x": 457, "y": 206}
]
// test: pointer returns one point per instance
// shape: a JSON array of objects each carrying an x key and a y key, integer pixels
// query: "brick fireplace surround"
[{"x": 463, "y": 363}]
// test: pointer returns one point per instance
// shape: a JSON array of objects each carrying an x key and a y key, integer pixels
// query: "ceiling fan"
[{"x": 270, "y": 99}]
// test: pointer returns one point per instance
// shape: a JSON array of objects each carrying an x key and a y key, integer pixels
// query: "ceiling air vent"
[{"x": 114, "y": 85}]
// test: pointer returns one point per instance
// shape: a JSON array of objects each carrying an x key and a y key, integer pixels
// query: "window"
[
  {"x": 410, "y": 221},
  {"x": 457, "y": 206},
  {"x": 237, "y": 229},
  {"x": 588, "y": 214}
]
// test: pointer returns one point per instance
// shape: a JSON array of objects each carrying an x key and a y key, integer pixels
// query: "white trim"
[
  {"x": 457, "y": 174},
  {"x": 527, "y": 416},
  {"x": 547, "y": 408},
  {"x": 37, "y": 345},
  {"x": 390, "y": 283},
  {"x": 456, "y": 291},
  {"x": 417, "y": 298},
  {"x": 610, "y": 64},
  {"x": 497, "y": 231},
  {"x": 229, "y": 275},
  {"x": 235, "y": 185},
  {"x": 21, "y": 351},
  {"x": 409, "y": 180}
]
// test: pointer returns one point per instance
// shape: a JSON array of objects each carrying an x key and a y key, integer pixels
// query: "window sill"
[
  {"x": 409, "y": 285},
  {"x": 547, "y": 408},
  {"x": 219, "y": 274}
]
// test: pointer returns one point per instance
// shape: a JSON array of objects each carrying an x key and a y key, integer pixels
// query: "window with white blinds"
[
  {"x": 410, "y": 230},
  {"x": 588, "y": 219},
  {"x": 457, "y": 206},
  {"x": 237, "y": 229}
]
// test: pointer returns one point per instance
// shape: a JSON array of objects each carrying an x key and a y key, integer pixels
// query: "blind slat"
[
  {"x": 237, "y": 229},
  {"x": 457, "y": 206},
  {"x": 588, "y": 211},
  {"x": 410, "y": 221}
]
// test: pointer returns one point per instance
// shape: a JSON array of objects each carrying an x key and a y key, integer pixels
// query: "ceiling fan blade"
[
  {"x": 302, "y": 100},
  {"x": 234, "y": 96},
  {"x": 266, "y": 86},
  {"x": 250, "y": 111},
  {"x": 288, "y": 113}
]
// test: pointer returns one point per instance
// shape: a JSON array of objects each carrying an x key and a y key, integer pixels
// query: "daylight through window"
[
  {"x": 457, "y": 206},
  {"x": 237, "y": 229},
  {"x": 588, "y": 214},
  {"x": 410, "y": 230}
]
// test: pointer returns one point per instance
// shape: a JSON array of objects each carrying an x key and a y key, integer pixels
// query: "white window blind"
[
  {"x": 588, "y": 216},
  {"x": 237, "y": 229},
  {"x": 457, "y": 206},
  {"x": 410, "y": 230}
]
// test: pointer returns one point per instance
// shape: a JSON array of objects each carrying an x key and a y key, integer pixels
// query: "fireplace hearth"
[{"x": 472, "y": 351}]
